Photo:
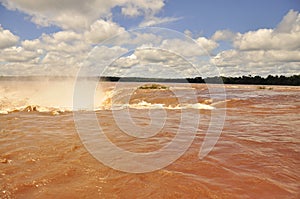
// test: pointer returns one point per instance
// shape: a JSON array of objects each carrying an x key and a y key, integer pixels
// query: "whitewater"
[{"x": 56, "y": 96}]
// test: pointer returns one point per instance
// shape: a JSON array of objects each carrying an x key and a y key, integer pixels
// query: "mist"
[{"x": 47, "y": 92}]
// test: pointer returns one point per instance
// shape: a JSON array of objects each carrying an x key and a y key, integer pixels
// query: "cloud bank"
[
  {"x": 84, "y": 24},
  {"x": 264, "y": 51}
]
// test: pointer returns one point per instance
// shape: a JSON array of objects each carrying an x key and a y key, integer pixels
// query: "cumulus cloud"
[
  {"x": 31, "y": 44},
  {"x": 146, "y": 39},
  {"x": 142, "y": 7},
  {"x": 18, "y": 54},
  {"x": 67, "y": 14},
  {"x": 285, "y": 36},
  {"x": 264, "y": 51},
  {"x": 267, "y": 39},
  {"x": 235, "y": 63},
  {"x": 187, "y": 48},
  {"x": 131, "y": 11},
  {"x": 65, "y": 50},
  {"x": 7, "y": 39},
  {"x": 151, "y": 62},
  {"x": 207, "y": 44},
  {"x": 105, "y": 53},
  {"x": 223, "y": 35},
  {"x": 234, "y": 57},
  {"x": 126, "y": 62},
  {"x": 88, "y": 23},
  {"x": 66, "y": 36},
  {"x": 289, "y": 23},
  {"x": 52, "y": 54},
  {"x": 78, "y": 14},
  {"x": 84, "y": 24},
  {"x": 63, "y": 42},
  {"x": 259, "y": 62},
  {"x": 101, "y": 30}
]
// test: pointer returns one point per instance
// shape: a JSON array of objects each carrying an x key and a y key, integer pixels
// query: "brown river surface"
[{"x": 257, "y": 154}]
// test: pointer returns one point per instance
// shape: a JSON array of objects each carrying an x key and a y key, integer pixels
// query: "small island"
[{"x": 153, "y": 86}]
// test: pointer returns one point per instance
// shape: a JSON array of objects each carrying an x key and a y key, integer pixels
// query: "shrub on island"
[{"x": 153, "y": 86}]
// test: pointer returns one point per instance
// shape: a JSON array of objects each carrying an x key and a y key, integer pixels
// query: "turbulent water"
[{"x": 257, "y": 154}]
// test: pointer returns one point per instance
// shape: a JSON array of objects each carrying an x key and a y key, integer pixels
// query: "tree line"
[{"x": 256, "y": 80}]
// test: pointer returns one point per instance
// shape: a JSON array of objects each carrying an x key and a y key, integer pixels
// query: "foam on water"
[
  {"x": 257, "y": 155},
  {"x": 56, "y": 97},
  {"x": 147, "y": 105},
  {"x": 41, "y": 95}
]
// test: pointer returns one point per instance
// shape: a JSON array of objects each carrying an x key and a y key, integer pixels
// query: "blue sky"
[
  {"x": 206, "y": 17},
  {"x": 202, "y": 17},
  {"x": 30, "y": 23},
  {"x": 20, "y": 24},
  {"x": 237, "y": 15}
]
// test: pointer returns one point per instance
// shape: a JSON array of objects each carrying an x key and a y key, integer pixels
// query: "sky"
[{"x": 160, "y": 38}]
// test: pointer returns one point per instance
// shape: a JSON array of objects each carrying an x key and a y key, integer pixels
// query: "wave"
[
  {"x": 141, "y": 105},
  {"x": 147, "y": 105},
  {"x": 56, "y": 97},
  {"x": 32, "y": 108}
]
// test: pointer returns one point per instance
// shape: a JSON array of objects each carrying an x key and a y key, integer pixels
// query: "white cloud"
[
  {"x": 267, "y": 39},
  {"x": 285, "y": 36},
  {"x": 181, "y": 47},
  {"x": 148, "y": 9},
  {"x": 7, "y": 39},
  {"x": 259, "y": 62},
  {"x": 66, "y": 36},
  {"x": 131, "y": 11},
  {"x": 101, "y": 30},
  {"x": 126, "y": 62},
  {"x": 18, "y": 54},
  {"x": 135, "y": 8},
  {"x": 67, "y": 14},
  {"x": 59, "y": 53},
  {"x": 31, "y": 44},
  {"x": 154, "y": 21},
  {"x": 63, "y": 42},
  {"x": 100, "y": 58},
  {"x": 78, "y": 14},
  {"x": 235, "y": 57},
  {"x": 74, "y": 14},
  {"x": 86, "y": 23},
  {"x": 104, "y": 53},
  {"x": 20, "y": 69},
  {"x": 188, "y": 33},
  {"x": 289, "y": 23},
  {"x": 207, "y": 44},
  {"x": 144, "y": 39},
  {"x": 154, "y": 55},
  {"x": 223, "y": 35},
  {"x": 152, "y": 63},
  {"x": 264, "y": 51}
]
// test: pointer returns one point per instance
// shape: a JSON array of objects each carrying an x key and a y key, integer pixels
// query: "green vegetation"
[
  {"x": 264, "y": 87},
  {"x": 153, "y": 86},
  {"x": 269, "y": 80},
  {"x": 256, "y": 80}
]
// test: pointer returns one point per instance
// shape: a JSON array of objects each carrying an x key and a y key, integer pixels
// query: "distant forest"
[{"x": 256, "y": 80}]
